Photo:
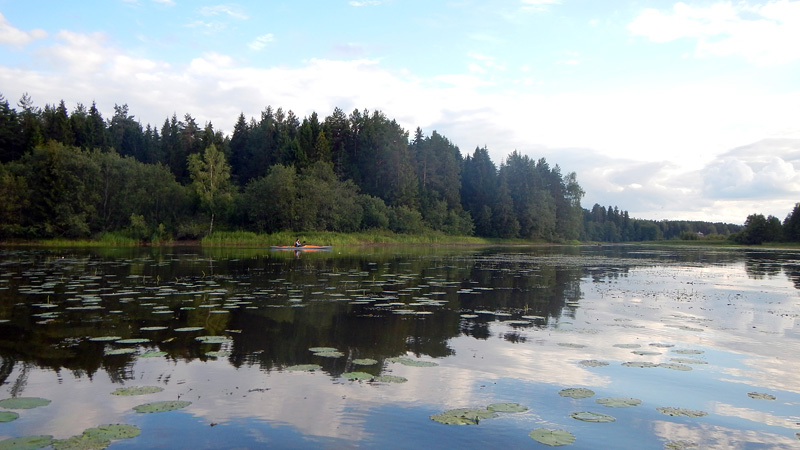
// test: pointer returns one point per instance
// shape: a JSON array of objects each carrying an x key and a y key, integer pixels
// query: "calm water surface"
[{"x": 694, "y": 329}]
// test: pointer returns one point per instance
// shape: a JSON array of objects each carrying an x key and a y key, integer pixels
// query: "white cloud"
[
  {"x": 10, "y": 35},
  {"x": 261, "y": 41},
  {"x": 365, "y": 3},
  {"x": 763, "y": 34},
  {"x": 538, "y": 5},
  {"x": 229, "y": 10}
]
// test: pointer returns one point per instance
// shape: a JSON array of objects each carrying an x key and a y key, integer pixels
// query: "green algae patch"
[
  {"x": 26, "y": 442},
  {"x": 619, "y": 402},
  {"x": 412, "y": 362},
  {"x": 137, "y": 390},
  {"x": 23, "y": 402},
  {"x": 114, "y": 431},
  {"x": 576, "y": 392},
  {"x": 390, "y": 379},
  {"x": 156, "y": 407},
  {"x": 553, "y": 438},
  {"x": 588, "y": 416},
  {"x": 507, "y": 407},
  {"x": 463, "y": 416},
  {"x": 670, "y": 411},
  {"x": 8, "y": 416},
  {"x": 303, "y": 367},
  {"x": 360, "y": 376},
  {"x": 81, "y": 442},
  {"x": 365, "y": 362},
  {"x": 761, "y": 396}
]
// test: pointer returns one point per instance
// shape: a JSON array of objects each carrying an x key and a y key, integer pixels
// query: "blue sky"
[{"x": 668, "y": 110}]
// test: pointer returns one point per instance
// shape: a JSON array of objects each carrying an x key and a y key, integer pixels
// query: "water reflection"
[{"x": 504, "y": 324}]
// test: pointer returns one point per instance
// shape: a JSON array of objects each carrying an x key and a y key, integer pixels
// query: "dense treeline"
[
  {"x": 759, "y": 229},
  {"x": 612, "y": 225},
  {"x": 76, "y": 174}
]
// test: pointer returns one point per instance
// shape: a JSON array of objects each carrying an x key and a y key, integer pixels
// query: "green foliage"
[{"x": 210, "y": 175}]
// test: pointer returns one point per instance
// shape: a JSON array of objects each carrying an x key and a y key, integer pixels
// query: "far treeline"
[{"x": 77, "y": 175}]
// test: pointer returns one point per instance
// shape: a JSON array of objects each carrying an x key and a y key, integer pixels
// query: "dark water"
[{"x": 697, "y": 329}]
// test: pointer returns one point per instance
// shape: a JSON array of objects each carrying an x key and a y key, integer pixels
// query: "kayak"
[{"x": 301, "y": 248}]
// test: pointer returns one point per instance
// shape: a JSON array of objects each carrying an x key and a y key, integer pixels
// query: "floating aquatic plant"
[
  {"x": 588, "y": 416},
  {"x": 26, "y": 442},
  {"x": 571, "y": 345},
  {"x": 152, "y": 354},
  {"x": 121, "y": 351},
  {"x": 553, "y": 438},
  {"x": 114, "y": 431},
  {"x": 761, "y": 396},
  {"x": 619, "y": 402},
  {"x": 332, "y": 354},
  {"x": 507, "y": 407},
  {"x": 463, "y": 416},
  {"x": 105, "y": 338},
  {"x": 322, "y": 349},
  {"x": 137, "y": 390},
  {"x": 674, "y": 366},
  {"x": 688, "y": 352},
  {"x": 23, "y": 402},
  {"x": 358, "y": 375},
  {"x": 187, "y": 329},
  {"x": 412, "y": 362},
  {"x": 133, "y": 341},
  {"x": 81, "y": 442},
  {"x": 155, "y": 407},
  {"x": 152, "y": 328},
  {"x": 213, "y": 339},
  {"x": 645, "y": 353},
  {"x": 687, "y": 361},
  {"x": 365, "y": 362},
  {"x": 627, "y": 345},
  {"x": 8, "y": 416},
  {"x": 576, "y": 392},
  {"x": 593, "y": 363},
  {"x": 303, "y": 367},
  {"x": 391, "y": 379},
  {"x": 640, "y": 364},
  {"x": 670, "y": 411}
]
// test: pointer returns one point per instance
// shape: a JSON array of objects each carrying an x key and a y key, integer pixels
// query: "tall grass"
[{"x": 244, "y": 238}]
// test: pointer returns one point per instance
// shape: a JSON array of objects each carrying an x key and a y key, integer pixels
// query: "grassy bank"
[{"x": 243, "y": 238}]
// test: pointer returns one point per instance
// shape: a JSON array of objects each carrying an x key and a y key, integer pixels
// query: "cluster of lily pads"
[
  {"x": 96, "y": 438},
  {"x": 332, "y": 352},
  {"x": 556, "y": 437}
]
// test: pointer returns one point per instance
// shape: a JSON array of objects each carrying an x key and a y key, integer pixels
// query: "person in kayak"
[{"x": 297, "y": 243}]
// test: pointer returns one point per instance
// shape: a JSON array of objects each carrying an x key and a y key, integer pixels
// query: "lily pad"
[
  {"x": 23, "y": 402},
  {"x": 155, "y": 407},
  {"x": 152, "y": 354},
  {"x": 553, "y": 438},
  {"x": 218, "y": 354},
  {"x": 365, "y": 362},
  {"x": 619, "y": 402},
  {"x": 412, "y": 362},
  {"x": 133, "y": 341},
  {"x": 761, "y": 396},
  {"x": 670, "y": 411},
  {"x": 188, "y": 329},
  {"x": 26, "y": 442},
  {"x": 463, "y": 416},
  {"x": 114, "y": 431},
  {"x": 152, "y": 328},
  {"x": 137, "y": 390},
  {"x": 322, "y": 349},
  {"x": 588, "y": 416},
  {"x": 358, "y": 375},
  {"x": 333, "y": 354},
  {"x": 627, "y": 345},
  {"x": 592, "y": 363},
  {"x": 8, "y": 416},
  {"x": 81, "y": 442},
  {"x": 680, "y": 445},
  {"x": 576, "y": 392},
  {"x": 675, "y": 366},
  {"x": 105, "y": 338},
  {"x": 391, "y": 379},
  {"x": 303, "y": 367},
  {"x": 506, "y": 407},
  {"x": 121, "y": 351},
  {"x": 640, "y": 364},
  {"x": 213, "y": 339}
]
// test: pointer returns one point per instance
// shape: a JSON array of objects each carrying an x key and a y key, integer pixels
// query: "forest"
[{"x": 76, "y": 174}]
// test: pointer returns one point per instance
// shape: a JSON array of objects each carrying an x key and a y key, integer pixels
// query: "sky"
[{"x": 668, "y": 110}]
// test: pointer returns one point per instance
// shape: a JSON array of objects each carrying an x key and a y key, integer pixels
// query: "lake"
[{"x": 624, "y": 347}]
